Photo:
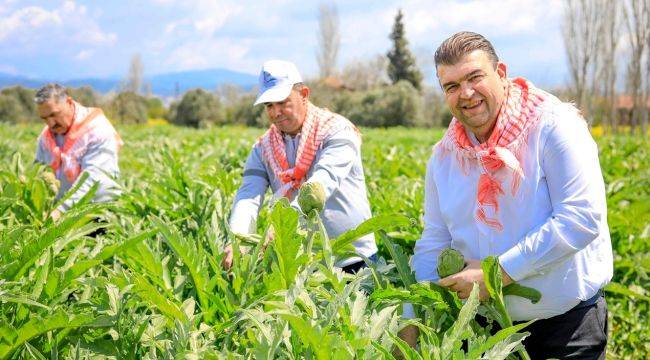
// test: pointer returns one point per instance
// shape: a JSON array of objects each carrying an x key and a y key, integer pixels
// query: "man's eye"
[
  {"x": 451, "y": 88},
  {"x": 476, "y": 78}
]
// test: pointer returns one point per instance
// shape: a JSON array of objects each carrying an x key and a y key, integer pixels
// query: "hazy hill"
[{"x": 161, "y": 84}]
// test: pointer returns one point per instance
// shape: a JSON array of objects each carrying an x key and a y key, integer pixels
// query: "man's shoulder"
[{"x": 555, "y": 112}]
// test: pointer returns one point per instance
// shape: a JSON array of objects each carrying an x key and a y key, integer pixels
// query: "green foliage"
[
  {"x": 198, "y": 108},
  {"x": 402, "y": 65},
  {"x": 152, "y": 286},
  {"x": 392, "y": 105},
  {"x": 17, "y": 105},
  {"x": 155, "y": 108},
  {"x": 128, "y": 108},
  {"x": 85, "y": 95}
]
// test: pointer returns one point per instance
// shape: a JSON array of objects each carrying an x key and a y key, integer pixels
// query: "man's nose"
[{"x": 466, "y": 91}]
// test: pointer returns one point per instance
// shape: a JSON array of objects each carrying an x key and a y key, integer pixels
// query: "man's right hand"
[{"x": 227, "y": 259}]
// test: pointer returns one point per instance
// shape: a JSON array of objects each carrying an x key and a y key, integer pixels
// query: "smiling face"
[
  {"x": 57, "y": 115},
  {"x": 474, "y": 91},
  {"x": 289, "y": 114}
]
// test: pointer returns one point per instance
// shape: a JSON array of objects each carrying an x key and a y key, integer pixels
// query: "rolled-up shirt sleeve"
[
  {"x": 577, "y": 194},
  {"x": 335, "y": 161},
  {"x": 101, "y": 164},
  {"x": 250, "y": 196}
]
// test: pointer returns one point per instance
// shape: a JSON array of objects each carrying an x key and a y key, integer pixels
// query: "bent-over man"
[
  {"x": 76, "y": 139},
  {"x": 304, "y": 143}
]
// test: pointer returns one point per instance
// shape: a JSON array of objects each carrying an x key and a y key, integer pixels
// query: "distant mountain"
[{"x": 167, "y": 84}]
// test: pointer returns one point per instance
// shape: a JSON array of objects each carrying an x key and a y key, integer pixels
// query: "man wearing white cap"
[{"x": 303, "y": 144}]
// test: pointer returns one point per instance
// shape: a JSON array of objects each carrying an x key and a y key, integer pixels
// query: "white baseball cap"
[{"x": 276, "y": 80}]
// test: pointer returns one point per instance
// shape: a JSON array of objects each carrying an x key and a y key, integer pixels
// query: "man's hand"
[
  {"x": 227, "y": 259},
  {"x": 55, "y": 215},
  {"x": 462, "y": 282}
]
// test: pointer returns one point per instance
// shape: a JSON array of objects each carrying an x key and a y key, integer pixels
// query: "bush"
[
  {"x": 155, "y": 108},
  {"x": 128, "y": 108},
  {"x": 198, "y": 108},
  {"x": 393, "y": 105},
  {"x": 17, "y": 105},
  {"x": 86, "y": 96}
]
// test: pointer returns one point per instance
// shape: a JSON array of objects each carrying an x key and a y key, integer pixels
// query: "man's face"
[
  {"x": 57, "y": 115},
  {"x": 474, "y": 90},
  {"x": 289, "y": 114}
]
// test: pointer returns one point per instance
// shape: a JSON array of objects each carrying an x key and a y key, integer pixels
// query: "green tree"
[
  {"x": 402, "y": 64},
  {"x": 155, "y": 108},
  {"x": 198, "y": 108},
  {"x": 128, "y": 108},
  {"x": 85, "y": 95},
  {"x": 17, "y": 105}
]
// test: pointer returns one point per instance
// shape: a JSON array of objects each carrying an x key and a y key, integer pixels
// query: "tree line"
[
  {"x": 608, "y": 54},
  {"x": 608, "y": 50}
]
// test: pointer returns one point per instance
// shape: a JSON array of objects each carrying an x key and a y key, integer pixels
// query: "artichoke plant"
[
  {"x": 450, "y": 261},
  {"x": 311, "y": 197}
]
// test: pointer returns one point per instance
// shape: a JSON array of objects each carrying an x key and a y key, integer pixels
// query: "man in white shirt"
[
  {"x": 517, "y": 176},
  {"x": 303, "y": 144},
  {"x": 76, "y": 139}
]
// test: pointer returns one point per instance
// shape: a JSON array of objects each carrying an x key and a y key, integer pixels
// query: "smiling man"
[
  {"x": 76, "y": 139},
  {"x": 304, "y": 144},
  {"x": 517, "y": 176}
]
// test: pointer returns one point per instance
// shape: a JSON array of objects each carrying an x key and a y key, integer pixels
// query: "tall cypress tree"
[{"x": 402, "y": 63}]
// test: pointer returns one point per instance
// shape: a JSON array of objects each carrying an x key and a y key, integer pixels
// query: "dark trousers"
[
  {"x": 354, "y": 267},
  {"x": 578, "y": 334}
]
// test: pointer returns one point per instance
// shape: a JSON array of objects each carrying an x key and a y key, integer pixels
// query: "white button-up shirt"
[
  {"x": 337, "y": 166},
  {"x": 555, "y": 236}
]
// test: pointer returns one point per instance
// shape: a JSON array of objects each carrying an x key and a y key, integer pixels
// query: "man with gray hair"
[{"x": 76, "y": 139}]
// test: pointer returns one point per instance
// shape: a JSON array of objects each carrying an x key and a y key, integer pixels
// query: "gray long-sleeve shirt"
[
  {"x": 99, "y": 161},
  {"x": 337, "y": 166}
]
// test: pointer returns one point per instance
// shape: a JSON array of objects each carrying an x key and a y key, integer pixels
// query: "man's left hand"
[{"x": 463, "y": 281}]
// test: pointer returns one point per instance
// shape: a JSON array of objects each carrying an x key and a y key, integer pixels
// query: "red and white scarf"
[
  {"x": 89, "y": 125},
  {"x": 318, "y": 125},
  {"x": 502, "y": 153}
]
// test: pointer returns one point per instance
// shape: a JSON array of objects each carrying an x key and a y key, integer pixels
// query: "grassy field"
[{"x": 152, "y": 287}]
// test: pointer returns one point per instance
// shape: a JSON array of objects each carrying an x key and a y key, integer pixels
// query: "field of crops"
[{"x": 152, "y": 286}]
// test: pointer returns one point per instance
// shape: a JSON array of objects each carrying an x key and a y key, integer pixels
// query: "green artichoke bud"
[
  {"x": 450, "y": 261},
  {"x": 51, "y": 181},
  {"x": 311, "y": 197}
]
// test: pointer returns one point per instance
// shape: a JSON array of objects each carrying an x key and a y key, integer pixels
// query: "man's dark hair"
[{"x": 452, "y": 50}]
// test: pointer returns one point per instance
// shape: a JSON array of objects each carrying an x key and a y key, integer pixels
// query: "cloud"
[
  {"x": 84, "y": 55},
  {"x": 34, "y": 24},
  {"x": 26, "y": 19},
  {"x": 212, "y": 53},
  {"x": 492, "y": 17}
]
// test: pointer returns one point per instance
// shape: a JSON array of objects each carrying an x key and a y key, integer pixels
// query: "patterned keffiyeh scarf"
[
  {"x": 318, "y": 125},
  {"x": 503, "y": 152},
  {"x": 89, "y": 125}
]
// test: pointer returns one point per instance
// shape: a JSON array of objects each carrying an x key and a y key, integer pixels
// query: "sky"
[{"x": 62, "y": 40}]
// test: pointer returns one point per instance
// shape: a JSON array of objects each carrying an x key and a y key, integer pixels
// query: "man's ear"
[
  {"x": 502, "y": 70},
  {"x": 304, "y": 92}
]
